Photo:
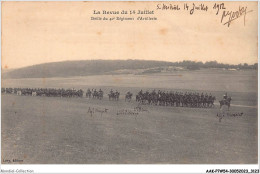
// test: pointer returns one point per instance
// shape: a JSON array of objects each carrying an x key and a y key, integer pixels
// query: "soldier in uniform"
[
  {"x": 225, "y": 96},
  {"x": 111, "y": 91}
]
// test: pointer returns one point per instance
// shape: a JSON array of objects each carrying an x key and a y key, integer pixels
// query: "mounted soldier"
[
  {"x": 225, "y": 96},
  {"x": 111, "y": 92},
  {"x": 128, "y": 96},
  {"x": 88, "y": 93},
  {"x": 95, "y": 94},
  {"x": 226, "y": 101},
  {"x": 117, "y": 95},
  {"x": 100, "y": 94}
]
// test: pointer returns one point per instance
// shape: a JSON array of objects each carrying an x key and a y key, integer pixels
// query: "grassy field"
[{"x": 61, "y": 130}]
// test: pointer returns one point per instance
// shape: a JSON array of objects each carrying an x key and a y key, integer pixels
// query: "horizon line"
[{"x": 7, "y": 68}]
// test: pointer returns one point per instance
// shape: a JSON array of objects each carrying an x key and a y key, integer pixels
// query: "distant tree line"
[
  {"x": 100, "y": 67},
  {"x": 213, "y": 64}
]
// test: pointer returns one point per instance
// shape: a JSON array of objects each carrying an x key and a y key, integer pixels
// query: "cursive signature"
[{"x": 233, "y": 15}]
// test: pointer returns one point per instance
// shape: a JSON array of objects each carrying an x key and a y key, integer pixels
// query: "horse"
[
  {"x": 128, "y": 96},
  {"x": 137, "y": 98},
  {"x": 117, "y": 96},
  {"x": 88, "y": 94},
  {"x": 100, "y": 95},
  {"x": 3, "y": 90},
  {"x": 19, "y": 92},
  {"x": 111, "y": 96},
  {"x": 95, "y": 95},
  {"x": 34, "y": 93},
  {"x": 79, "y": 93},
  {"x": 211, "y": 101},
  {"x": 225, "y": 102},
  {"x": 114, "y": 96}
]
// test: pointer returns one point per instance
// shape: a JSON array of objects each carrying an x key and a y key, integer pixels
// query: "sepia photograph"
[{"x": 154, "y": 82}]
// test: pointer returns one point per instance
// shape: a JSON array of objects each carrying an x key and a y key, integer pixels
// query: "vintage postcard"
[{"x": 129, "y": 82}]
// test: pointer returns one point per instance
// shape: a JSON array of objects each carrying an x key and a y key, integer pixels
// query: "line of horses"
[
  {"x": 99, "y": 94},
  {"x": 52, "y": 92},
  {"x": 162, "y": 98},
  {"x": 48, "y": 92},
  {"x": 95, "y": 94},
  {"x": 177, "y": 99}
]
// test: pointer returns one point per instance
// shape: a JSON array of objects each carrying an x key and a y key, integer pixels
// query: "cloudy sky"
[{"x": 40, "y": 32}]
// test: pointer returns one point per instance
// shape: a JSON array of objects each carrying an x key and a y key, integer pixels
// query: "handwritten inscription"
[
  {"x": 136, "y": 111},
  {"x": 168, "y": 7},
  {"x": 127, "y": 112},
  {"x": 140, "y": 109},
  {"x": 222, "y": 115},
  {"x": 200, "y": 7},
  {"x": 92, "y": 111},
  {"x": 235, "y": 114},
  {"x": 229, "y": 16},
  {"x": 219, "y": 7},
  {"x": 226, "y": 15}
]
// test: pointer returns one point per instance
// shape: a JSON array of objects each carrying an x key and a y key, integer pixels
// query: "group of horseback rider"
[
  {"x": 49, "y": 92},
  {"x": 95, "y": 94},
  {"x": 187, "y": 99},
  {"x": 99, "y": 94},
  {"x": 113, "y": 95}
]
